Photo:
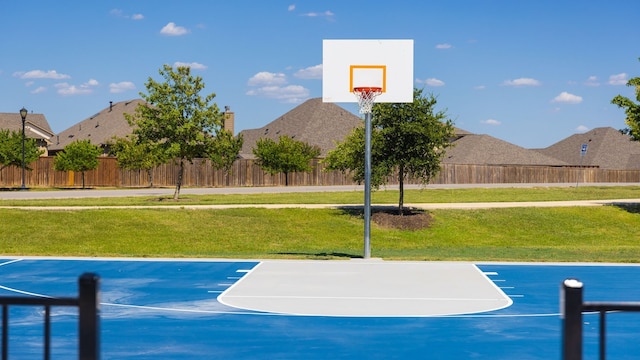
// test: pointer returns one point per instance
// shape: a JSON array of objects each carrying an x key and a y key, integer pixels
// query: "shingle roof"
[
  {"x": 487, "y": 150},
  {"x": 314, "y": 122},
  {"x": 99, "y": 128},
  {"x": 36, "y": 125},
  {"x": 607, "y": 148}
]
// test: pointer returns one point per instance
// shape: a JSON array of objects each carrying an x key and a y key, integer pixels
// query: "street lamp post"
[{"x": 23, "y": 115}]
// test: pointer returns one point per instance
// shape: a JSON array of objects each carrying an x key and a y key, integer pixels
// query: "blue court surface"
[{"x": 169, "y": 309}]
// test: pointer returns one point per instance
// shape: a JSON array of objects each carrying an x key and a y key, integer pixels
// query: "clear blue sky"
[{"x": 528, "y": 72}]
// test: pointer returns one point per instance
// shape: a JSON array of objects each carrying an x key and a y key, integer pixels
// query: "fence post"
[
  {"x": 89, "y": 324},
  {"x": 571, "y": 313}
]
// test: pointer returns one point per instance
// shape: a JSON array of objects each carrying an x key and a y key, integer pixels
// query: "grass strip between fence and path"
[{"x": 573, "y": 234}]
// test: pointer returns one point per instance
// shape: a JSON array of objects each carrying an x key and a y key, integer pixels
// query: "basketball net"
[{"x": 366, "y": 97}]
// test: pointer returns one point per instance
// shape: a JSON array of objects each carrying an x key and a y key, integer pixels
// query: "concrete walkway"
[
  {"x": 101, "y": 193},
  {"x": 431, "y": 206}
]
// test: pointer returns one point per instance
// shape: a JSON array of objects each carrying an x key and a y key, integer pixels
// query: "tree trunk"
[
  {"x": 401, "y": 186},
  {"x": 286, "y": 179},
  {"x": 176, "y": 194},
  {"x": 150, "y": 177}
]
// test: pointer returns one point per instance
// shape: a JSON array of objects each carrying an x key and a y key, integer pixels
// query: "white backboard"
[{"x": 387, "y": 64}]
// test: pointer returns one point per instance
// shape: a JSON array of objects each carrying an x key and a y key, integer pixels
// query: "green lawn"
[{"x": 599, "y": 234}]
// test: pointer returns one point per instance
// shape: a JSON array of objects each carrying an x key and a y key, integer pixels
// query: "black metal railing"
[
  {"x": 572, "y": 307},
  {"x": 87, "y": 303}
]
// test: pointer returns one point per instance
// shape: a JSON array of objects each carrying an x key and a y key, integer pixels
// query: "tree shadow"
[
  {"x": 633, "y": 208},
  {"x": 358, "y": 210},
  {"x": 323, "y": 255}
]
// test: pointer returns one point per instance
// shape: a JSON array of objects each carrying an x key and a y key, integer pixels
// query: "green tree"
[
  {"x": 407, "y": 139},
  {"x": 79, "y": 156},
  {"x": 631, "y": 109},
  {"x": 285, "y": 156},
  {"x": 180, "y": 122},
  {"x": 225, "y": 150},
  {"x": 134, "y": 155},
  {"x": 348, "y": 157},
  {"x": 11, "y": 150}
]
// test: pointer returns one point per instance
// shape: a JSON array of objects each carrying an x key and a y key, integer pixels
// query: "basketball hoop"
[{"x": 366, "y": 97}]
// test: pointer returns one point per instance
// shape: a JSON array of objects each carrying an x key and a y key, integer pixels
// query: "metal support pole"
[
  {"x": 367, "y": 185},
  {"x": 23, "y": 187},
  {"x": 89, "y": 327},
  {"x": 571, "y": 310}
]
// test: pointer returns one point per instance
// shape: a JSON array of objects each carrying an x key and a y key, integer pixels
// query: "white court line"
[
  {"x": 350, "y": 298},
  {"x": 257, "y": 313},
  {"x": 25, "y": 292},
  {"x": 495, "y": 286},
  {"x": 10, "y": 262}
]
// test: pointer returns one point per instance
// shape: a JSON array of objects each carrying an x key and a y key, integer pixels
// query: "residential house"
[
  {"x": 476, "y": 149},
  {"x": 99, "y": 128},
  {"x": 313, "y": 122},
  {"x": 36, "y": 127},
  {"x": 102, "y": 127},
  {"x": 606, "y": 148}
]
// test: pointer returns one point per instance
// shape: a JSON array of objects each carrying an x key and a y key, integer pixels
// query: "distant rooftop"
[
  {"x": 99, "y": 128},
  {"x": 314, "y": 122}
]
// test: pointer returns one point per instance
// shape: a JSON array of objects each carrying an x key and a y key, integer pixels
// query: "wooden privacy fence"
[{"x": 245, "y": 173}]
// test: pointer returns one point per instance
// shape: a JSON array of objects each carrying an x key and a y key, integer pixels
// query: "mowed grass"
[
  {"x": 382, "y": 196},
  {"x": 574, "y": 234}
]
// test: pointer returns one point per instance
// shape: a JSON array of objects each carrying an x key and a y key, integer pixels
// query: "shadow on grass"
[
  {"x": 379, "y": 209},
  {"x": 323, "y": 255},
  {"x": 359, "y": 210},
  {"x": 633, "y": 208}
]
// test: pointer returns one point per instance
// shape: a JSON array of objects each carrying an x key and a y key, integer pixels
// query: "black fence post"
[
  {"x": 5, "y": 331},
  {"x": 571, "y": 310},
  {"x": 89, "y": 324}
]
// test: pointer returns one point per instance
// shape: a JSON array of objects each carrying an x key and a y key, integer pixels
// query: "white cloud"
[
  {"x": 291, "y": 7},
  {"x": 565, "y": 97},
  {"x": 287, "y": 94},
  {"x": 327, "y": 14},
  {"x": 480, "y": 87},
  {"x": 67, "y": 89},
  {"x": 312, "y": 72},
  {"x": 618, "y": 79},
  {"x": 491, "y": 122},
  {"x": 121, "y": 14},
  {"x": 39, "y": 90},
  {"x": 582, "y": 129},
  {"x": 431, "y": 82},
  {"x": 40, "y": 74},
  {"x": 172, "y": 30},
  {"x": 265, "y": 78},
  {"x": 193, "y": 65},
  {"x": 444, "y": 46},
  {"x": 592, "y": 81},
  {"x": 522, "y": 82},
  {"x": 120, "y": 87}
]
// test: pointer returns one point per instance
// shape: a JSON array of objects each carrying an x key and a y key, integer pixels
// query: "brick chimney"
[{"x": 229, "y": 119}]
